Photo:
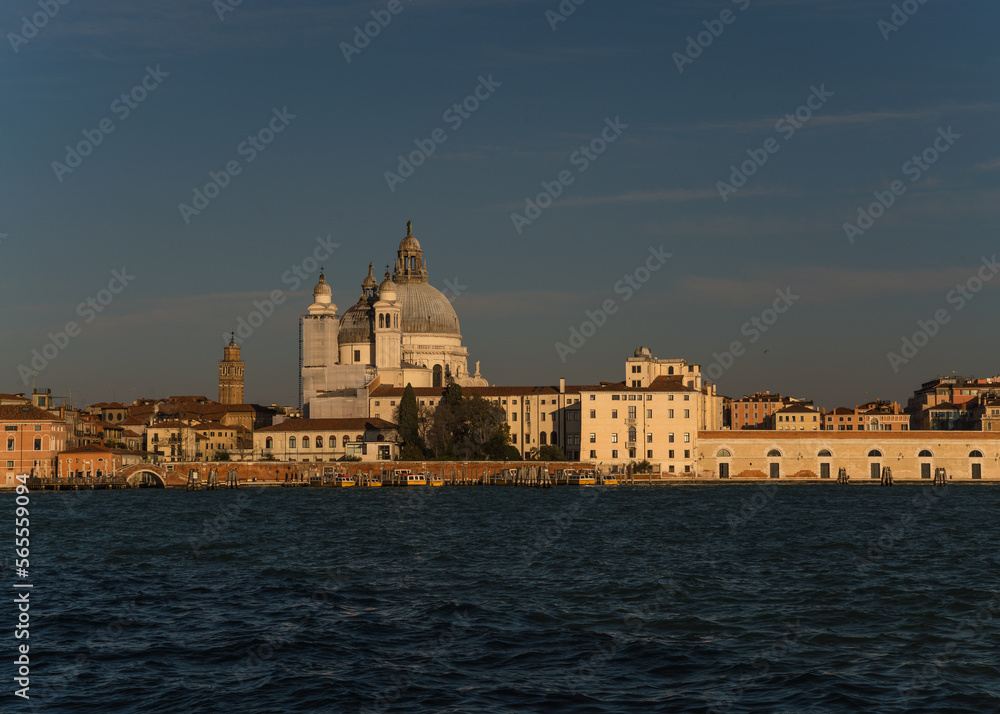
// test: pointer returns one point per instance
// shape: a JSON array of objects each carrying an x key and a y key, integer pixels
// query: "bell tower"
[{"x": 231, "y": 375}]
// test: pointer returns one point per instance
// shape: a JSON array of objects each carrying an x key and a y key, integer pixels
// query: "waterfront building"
[
  {"x": 864, "y": 455},
  {"x": 96, "y": 461},
  {"x": 327, "y": 440},
  {"x": 797, "y": 417},
  {"x": 871, "y": 416},
  {"x": 941, "y": 404},
  {"x": 657, "y": 421},
  {"x": 756, "y": 411},
  {"x": 33, "y": 438},
  {"x": 400, "y": 331},
  {"x": 537, "y": 416}
]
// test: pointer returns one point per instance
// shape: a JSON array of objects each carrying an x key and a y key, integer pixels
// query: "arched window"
[
  {"x": 924, "y": 454},
  {"x": 291, "y": 442},
  {"x": 319, "y": 442},
  {"x": 670, "y": 370},
  {"x": 542, "y": 438},
  {"x": 381, "y": 437},
  {"x": 555, "y": 439},
  {"x": 395, "y": 320},
  {"x": 825, "y": 452},
  {"x": 874, "y": 454},
  {"x": 346, "y": 439},
  {"x": 359, "y": 438},
  {"x": 773, "y": 453},
  {"x": 724, "y": 454},
  {"x": 976, "y": 454},
  {"x": 631, "y": 433},
  {"x": 268, "y": 442},
  {"x": 438, "y": 376},
  {"x": 381, "y": 320},
  {"x": 305, "y": 442},
  {"x": 333, "y": 441},
  {"x": 38, "y": 443}
]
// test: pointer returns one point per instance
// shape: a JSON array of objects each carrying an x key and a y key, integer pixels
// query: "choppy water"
[{"x": 712, "y": 598}]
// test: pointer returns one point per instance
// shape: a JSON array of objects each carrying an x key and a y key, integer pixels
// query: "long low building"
[
  {"x": 911, "y": 455},
  {"x": 329, "y": 440}
]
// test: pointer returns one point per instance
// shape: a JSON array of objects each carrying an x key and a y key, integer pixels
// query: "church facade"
[{"x": 400, "y": 331}]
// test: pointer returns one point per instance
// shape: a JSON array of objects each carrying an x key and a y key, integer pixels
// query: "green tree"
[
  {"x": 551, "y": 453},
  {"x": 221, "y": 456},
  {"x": 406, "y": 417}
]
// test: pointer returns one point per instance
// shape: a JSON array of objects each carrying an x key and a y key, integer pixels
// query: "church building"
[{"x": 400, "y": 331}]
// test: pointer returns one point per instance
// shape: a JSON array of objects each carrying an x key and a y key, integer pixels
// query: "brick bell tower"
[{"x": 231, "y": 375}]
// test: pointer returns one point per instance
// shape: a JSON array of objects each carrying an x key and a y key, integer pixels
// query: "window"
[
  {"x": 305, "y": 442},
  {"x": 593, "y": 413},
  {"x": 614, "y": 453},
  {"x": 268, "y": 443},
  {"x": 614, "y": 413},
  {"x": 631, "y": 433},
  {"x": 291, "y": 442},
  {"x": 670, "y": 413},
  {"x": 631, "y": 412},
  {"x": 773, "y": 454},
  {"x": 593, "y": 454},
  {"x": 592, "y": 397},
  {"x": 319, "y": 442},
  {"x": 649, "y": 453},
  {"x": 593, "y": 438},
  {"x": 649, "y": 413},
  {"x": 513, "y": 416},
  {"x": 357, "y": 355},
  {"x": 38, "y": 427},
  {"x": 874, "y": 454},
  {"x": 687, "y": 397},
  {"x": 976, "y": 454},
  {"x": 38, "y": 444},
  {"x": 615, "y": 397},
  {"x": 670, "y": 437},
  {"x": 924, "y": 454},
  {"x": 724, "y": 453},
  {"x": 543, "y": 416},
  {"x": 513, "y": 438},
  {"x": 10, "y": 444},
  {"x": 687, "y": 413},
  {"x": 392, "y": 403},
  {"x": 825, "y": 452},
  {"x": 614, "y": 438},
  {"x": 377, "y": 403},
  {"x": 649, "y": 438},
  {"x": 670, "y": 455},
  {"x": 687, "y": 438}
]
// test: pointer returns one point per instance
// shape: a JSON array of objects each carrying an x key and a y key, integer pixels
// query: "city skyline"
[{"x": 631, "y": 151}]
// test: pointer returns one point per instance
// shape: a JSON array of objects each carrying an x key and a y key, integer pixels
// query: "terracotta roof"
[
  {"x": 386, "y": 391},
  {"x": 797, "y": 409},
  {"x": 25, "y": 412},
  {"x": 356, "y": 424},
  {"x": 129, "y": 432}
]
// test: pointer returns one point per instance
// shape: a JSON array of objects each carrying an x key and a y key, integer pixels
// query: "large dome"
[
  {"x": 426, "y": 309},
  {"x": 355, "y": 325}
]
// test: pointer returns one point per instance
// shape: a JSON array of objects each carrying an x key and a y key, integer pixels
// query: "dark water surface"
[{"x": 738, "y": 598}]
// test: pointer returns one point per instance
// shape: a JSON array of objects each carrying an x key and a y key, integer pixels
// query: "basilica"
[{"x": 400, "y": 331}]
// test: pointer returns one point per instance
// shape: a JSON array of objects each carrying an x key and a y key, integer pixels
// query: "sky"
[{"x": 700, "y": 174}]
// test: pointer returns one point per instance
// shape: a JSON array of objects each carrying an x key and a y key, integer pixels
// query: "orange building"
[
  {"x": 871, "y": 416},
  {"x": 32, "y": 439}
]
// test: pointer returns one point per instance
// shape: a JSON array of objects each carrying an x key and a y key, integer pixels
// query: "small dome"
[
  {"x": 387, "y": 287},
  {"x": 322, "y": 287},
  {"x": 643, "y": 352}
]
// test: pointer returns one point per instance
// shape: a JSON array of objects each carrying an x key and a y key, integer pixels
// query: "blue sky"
[{"x": 888, "y": 95}]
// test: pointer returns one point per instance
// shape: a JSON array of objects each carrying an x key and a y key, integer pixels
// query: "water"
[{"x": 735, "y": 598}]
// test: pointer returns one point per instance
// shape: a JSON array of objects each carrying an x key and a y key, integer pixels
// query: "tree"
[
  {"x": 221, "y": 456},
  {"x": 407, "y": 417},
  {"x": 551, "y": 452},
  {"x": 411, "y": 452}
]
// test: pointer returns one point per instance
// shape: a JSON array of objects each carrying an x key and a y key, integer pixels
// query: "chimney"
[{"x": 562, "y": 385}]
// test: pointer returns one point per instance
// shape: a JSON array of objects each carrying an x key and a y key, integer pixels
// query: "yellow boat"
[
  {"x": 581, "y": 479},
  {"x": 609, "y": 481},
  {"x": 373, "y": 482},
  {"x": 435, "y": 481},
  {"x": 343, "y": 481},
  {"x": 405, "y": 477}
]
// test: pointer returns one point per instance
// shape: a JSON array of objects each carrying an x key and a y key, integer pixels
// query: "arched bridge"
[{"x": 145, "y": 476}]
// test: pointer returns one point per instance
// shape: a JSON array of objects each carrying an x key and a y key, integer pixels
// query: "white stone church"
[{"x": 402, "y": 331}]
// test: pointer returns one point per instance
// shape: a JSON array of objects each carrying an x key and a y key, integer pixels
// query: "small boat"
[
  {"x": 609, "y": 481},
  {"x": 580, "y": 479},
  {"x": 435, "y": 480},
  {"x": 405, "y": 477},
  {"x": 343, "y": 481},
  {"x": 372, "y": 482}
]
